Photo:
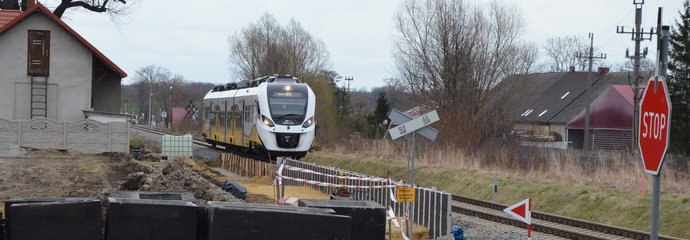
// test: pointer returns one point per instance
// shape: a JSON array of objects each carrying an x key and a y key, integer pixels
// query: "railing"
[{"x": 432, "y": 208}]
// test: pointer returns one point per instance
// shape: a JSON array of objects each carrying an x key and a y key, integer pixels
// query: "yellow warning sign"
[{"x": 405, "y": 194}]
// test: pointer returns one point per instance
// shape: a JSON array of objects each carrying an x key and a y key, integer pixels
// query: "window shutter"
[{"x": 38, "y": 53}]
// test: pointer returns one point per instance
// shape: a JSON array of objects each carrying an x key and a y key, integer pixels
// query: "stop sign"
[{"x": 654, "y": 127}]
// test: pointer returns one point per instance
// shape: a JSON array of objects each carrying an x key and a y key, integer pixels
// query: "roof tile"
[{"x": 8, "y": 15}]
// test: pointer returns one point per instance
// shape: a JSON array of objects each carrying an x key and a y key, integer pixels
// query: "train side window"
[
  {"x": 225, "y": 115},
  {"x": 216, "y": 112},
  {"x": 236, "y": 116}
]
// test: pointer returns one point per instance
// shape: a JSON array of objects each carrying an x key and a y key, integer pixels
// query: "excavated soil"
[{"x": 52, "y": 173}]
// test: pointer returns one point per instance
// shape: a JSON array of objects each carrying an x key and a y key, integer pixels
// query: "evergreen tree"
[
  {"x": 383, "y": 107},
  {"x": 679, "y": 82}
]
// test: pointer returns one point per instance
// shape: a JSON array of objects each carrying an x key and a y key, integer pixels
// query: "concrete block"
[
  {"x": 74, "y": 220},
  {"x": 368, "y": 218},
  {"x": 146, "y": 219},
  {"x": 241, "y": 221},
  {"x": 12, "y": 201}
]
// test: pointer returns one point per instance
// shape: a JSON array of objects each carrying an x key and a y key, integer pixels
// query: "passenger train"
[{"x": 272, "y": 115}]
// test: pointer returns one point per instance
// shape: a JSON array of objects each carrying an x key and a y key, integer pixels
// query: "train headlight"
[
  {"x": 267, "y": 121},
  {"x": 308, "y": 123}
]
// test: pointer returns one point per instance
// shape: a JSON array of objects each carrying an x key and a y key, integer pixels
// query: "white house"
[{"x": 49, "y": 70}]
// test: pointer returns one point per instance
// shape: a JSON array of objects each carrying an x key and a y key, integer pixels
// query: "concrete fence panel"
[
  {"x": 86, "y": 135},
  {"x": 8, "y": 132},
  {"x": 42, "y": 133}
]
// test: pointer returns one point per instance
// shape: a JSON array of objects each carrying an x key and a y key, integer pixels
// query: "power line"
[
  {"x": 637, "y": 35},
  {"x": 588, "y": 92}
]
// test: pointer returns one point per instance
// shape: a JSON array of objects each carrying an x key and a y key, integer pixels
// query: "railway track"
[
  {"x": 546, "y": 223},
  {"x": 202, "y": 143},
  {"x": 559, "y": 226}
]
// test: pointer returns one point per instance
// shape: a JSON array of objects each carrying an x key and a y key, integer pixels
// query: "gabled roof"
[
  {"x": 604, "y": 81},
  {"x": 556, "y": 98},
  {"x": 612, "y": 110},
  {"x": 7, "y": 16},
  {"x": 40, "y": 9},
  {"x": 517, "y": 92}
]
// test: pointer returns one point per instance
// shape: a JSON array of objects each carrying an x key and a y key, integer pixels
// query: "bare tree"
[
  {"x": 266, "y": 48},
  {"x": 113, "y": 7},
  {"x": 450, "y": 54},
  {"x": 149, "y": 80},
  {"x": 561, "y": 53}
]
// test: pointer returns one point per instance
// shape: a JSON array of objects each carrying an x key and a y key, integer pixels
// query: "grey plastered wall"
[
  {"x": 106, "y": 88},
  {"x": 70, "y": 72},
  {"x": 86, "y": 136}
]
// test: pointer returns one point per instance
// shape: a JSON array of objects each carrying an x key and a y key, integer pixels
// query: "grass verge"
[{"x": 614, "y": 205}]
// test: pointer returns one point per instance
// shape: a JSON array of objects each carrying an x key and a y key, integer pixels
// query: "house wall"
[
  {"x": 69, "y": 89},
  {"x": 106, "y": 92}
]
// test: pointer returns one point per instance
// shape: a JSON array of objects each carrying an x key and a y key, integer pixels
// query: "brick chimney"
[
  {"x": 602, "y": 70},
  {"x": 26, "y": 4},
  {"x": 571, "y": 69}
]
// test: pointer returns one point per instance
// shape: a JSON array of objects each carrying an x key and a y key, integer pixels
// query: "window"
[
  {"x": 38, "y": 53},
  {"x": 542, "y": 113},
  {"x": 565, "y": 95},
  {"x": 527, "y": 112}
]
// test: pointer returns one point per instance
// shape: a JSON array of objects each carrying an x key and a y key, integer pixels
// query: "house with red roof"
[{"x": 48, "y": 70}]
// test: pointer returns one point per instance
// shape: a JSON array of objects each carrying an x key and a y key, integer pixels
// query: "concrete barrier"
[
  {"x": 259, "y": 222},
  {"x": 37, "y": 219},
  {"x": 147, "y": 219},
  {"x": 368, "y": 217}
]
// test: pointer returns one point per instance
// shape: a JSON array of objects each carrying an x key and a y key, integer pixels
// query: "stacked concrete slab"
[
  {"x": 368, "y": 218},
  {"x": 243, "y": 221},
  {"x": 53, "y": 218}
]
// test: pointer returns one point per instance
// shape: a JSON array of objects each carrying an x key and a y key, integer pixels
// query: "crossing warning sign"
[{"x": 405, "y": 194}]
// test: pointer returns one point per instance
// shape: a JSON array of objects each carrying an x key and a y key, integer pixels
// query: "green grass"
[{"x": 606, "y": 205}]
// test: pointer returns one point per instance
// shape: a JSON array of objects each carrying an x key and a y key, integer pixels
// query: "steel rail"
[
  {"x": 202, "y": 143},
  {"x": 577, "y": 223}
]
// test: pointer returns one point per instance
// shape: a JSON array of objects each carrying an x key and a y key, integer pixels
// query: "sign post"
[
  {"x": 410, "y": 127},
  {"x": 654, "y": 131},
  {"x": 522, "y": 211}
]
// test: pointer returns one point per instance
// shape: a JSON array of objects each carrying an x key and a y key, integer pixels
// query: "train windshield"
[{"x": 288, "y": 106}]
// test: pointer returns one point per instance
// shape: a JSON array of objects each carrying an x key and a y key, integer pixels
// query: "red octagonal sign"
[{"x": 655, "y": 119}]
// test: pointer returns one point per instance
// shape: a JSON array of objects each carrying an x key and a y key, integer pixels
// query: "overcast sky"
[{"x": 190, "y": 37}]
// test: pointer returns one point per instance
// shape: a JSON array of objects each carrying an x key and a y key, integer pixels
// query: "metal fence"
[
  {"x": 86, "y": 135},
  {"x": 431, "y": 207}
]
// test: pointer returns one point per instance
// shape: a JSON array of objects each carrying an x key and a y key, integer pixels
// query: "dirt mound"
[{"x": 172, "y": 176}]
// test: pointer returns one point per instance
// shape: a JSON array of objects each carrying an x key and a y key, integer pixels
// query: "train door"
[
  {"x": 235, "y": 123},
  {"x": 225, "y": 121},
  {"x": 207, "y": 119},
  {"x": 242, "y": 123},
  {"x": 216, "y": 122}
]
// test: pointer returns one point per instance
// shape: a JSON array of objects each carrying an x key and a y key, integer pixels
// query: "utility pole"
[
  {"x": 638, "y": 35},
  {"x": 150, "y": 98},
  {"x": 348, "y": 79},
  {"x": 588, "y": 92},
  {"x": 663, "y": 34}
]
